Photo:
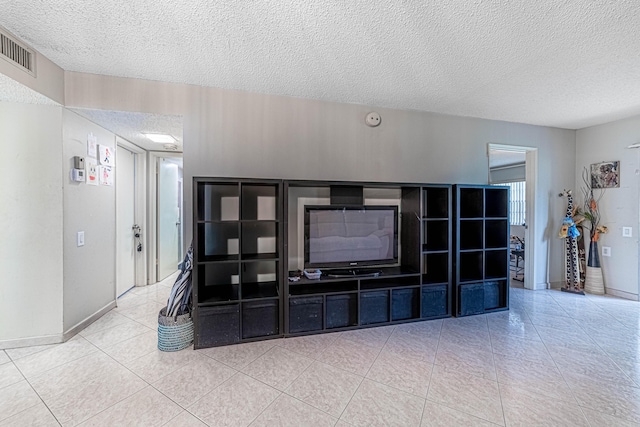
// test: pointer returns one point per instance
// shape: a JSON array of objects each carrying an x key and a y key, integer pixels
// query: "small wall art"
[
  {"x": 106, "y": 154},
  {"x": 92, "y": 146},
  {"x": 92, "y": 171},
  {"x": 105, "y": 175},
  {"x": 605, "y": 174}
]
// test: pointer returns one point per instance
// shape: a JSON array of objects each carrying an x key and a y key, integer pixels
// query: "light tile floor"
[{"x": 554, "y": 359}]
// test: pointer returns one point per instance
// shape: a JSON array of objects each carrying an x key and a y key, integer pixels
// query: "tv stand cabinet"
[{"x": 418, "y": 288}]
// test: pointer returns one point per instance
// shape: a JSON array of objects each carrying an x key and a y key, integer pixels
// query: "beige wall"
[
  {"x": 240, "y": 134},
  {"x": 31, "y": 217},
  {"x": 89, "y": 270},
  {"x": 619, "y": 206},
  {"x": 48, "y": 80}
]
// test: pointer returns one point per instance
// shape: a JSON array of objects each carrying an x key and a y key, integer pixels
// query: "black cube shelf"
[{"x": 453, "y": 254}]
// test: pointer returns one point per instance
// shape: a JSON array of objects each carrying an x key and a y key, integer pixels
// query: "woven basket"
[{"x": 174, "y": 333}]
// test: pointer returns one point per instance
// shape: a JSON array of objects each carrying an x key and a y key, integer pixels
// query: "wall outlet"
[
  {"x": 627, "y": 232},
  {"x": 80, "y": 238},
  {"x": 606, "y": 251}
]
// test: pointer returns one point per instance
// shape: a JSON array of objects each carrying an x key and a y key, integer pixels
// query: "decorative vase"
[{"x": 593, "y": 282}]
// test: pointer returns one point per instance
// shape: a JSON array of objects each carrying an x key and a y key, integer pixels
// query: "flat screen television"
[{"x": 350, "y": 236}]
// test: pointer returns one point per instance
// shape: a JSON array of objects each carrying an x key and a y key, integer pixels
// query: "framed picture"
[{"x": 605, "y": 174}]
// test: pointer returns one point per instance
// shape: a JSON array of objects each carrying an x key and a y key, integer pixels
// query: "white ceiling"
[
  {"x": 499, "y": 158},
  {"x": 133, "y": 126},
  {"x": 569, "y": 64}
]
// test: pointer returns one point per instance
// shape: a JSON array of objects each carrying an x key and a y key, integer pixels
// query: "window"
[{"x": 517, "y": 203}]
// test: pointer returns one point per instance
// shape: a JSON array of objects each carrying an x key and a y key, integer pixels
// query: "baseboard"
[
  {"x": 540, "y": 286},
  {"x": 622, "y": 294},
  {"x": 89, "y": 320},
  {"x": 31, "y": 341},
  {"x": 557, "y": 285}
]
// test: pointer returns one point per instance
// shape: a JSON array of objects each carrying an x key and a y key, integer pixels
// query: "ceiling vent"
[{"x": 17, "y": 53}]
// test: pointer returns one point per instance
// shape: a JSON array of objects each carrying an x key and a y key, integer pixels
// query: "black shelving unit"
[
  {"x": 453, "y": 258},
  {"x": 437, "y": 245},
  {"x": 237, "y": 272},
  {"x": 481, "y": 262}
]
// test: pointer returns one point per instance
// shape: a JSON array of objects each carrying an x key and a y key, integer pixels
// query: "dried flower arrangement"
[{"x": 590, "y": 210}]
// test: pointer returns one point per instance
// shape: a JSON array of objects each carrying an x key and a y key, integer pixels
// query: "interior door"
[
  {"x": 169, "y": 216},
  {"x": 125, "y": 220}
]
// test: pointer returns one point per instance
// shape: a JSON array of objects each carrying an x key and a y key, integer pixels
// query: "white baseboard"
[
  {"x": 89, "y": 320},
  {"x": 31, "y": 341},
  {"x": 539, "y": 286},
  {"x": 622, "y": 294}
]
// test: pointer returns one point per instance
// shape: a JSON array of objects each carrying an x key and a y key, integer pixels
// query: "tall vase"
[{"x": 593, "y": 282}]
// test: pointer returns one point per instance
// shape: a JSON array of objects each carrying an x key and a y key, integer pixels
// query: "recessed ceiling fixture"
[{"x": 160, "y": 138}]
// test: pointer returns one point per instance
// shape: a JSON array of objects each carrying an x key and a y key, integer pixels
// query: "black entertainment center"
[{"x": 389, "y": 253}]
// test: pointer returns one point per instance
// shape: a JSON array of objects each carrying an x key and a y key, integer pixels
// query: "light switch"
[
  {"x": 80, "y": 238},
  {"x": 627, "y": 232},
  {"x": 606, "y": 251}
]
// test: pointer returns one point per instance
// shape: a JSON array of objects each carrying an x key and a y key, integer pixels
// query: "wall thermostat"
[
  {"x": 77, "y": 175},
  {"x": 372, "y": 119},
  {"x": 78, "y": 162}
]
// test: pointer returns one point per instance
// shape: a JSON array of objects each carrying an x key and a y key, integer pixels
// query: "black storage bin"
[
  {"x": 404, "y": 304},
  {"x": 305, "y": 314},
  {"x": 342, "y": 310},
  {"x": 259, "y": 318},
  {"x": 434, "y": 301},
  {"x": 471, "y": 299},
  {"x": 492, "y": 295},
  {"x": 374, "y": 307},
  {"x": 218, "y": 325}
]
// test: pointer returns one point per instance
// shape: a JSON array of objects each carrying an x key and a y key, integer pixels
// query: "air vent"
[{"x": 16, "y": 53}]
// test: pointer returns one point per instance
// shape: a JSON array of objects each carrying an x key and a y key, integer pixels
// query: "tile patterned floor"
[{"x": 554, "y": 359}]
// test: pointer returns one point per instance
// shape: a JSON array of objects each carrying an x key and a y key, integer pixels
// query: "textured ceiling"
[
  {"x": 131, "y": 126},
  {"x": 570, "y": 64},
  {"x": 12, "y": 91}
]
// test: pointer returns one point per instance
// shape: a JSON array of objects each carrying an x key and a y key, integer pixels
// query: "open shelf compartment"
[
  {"x": 435, "y": 235},
  {"x": 218, "y": 202},
  {"x": 436, "y": 202}
]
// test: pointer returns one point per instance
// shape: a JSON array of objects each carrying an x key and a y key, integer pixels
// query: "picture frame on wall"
[{"x": 605, "y": 174}]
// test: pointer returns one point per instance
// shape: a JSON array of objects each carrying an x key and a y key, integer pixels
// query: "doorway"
[
  {"x": 125, "y": 220},
  {"x": 169, "y": 214},
  {"x": 511, "y": 163}
]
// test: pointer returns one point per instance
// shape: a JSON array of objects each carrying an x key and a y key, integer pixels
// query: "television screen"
[{"x": 344, "y": 236}]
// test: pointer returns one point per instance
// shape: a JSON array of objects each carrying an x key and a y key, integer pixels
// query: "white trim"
[
  {"x": 29, "y": 342},
  {"x": 531, "y": 281},
  {"x": 622, "y": 294},
  {"x": 152, "y": 203},
  {"x": 74, "y": 330},
  {"x": 140, "y": 206}
]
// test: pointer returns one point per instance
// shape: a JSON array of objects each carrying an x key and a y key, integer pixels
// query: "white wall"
[
  {"x": 89, "y": 270},
  {"x": 31, "y": 217},
  {"x": 619, "y": 206},
  {"x": 239, "y": 134}
]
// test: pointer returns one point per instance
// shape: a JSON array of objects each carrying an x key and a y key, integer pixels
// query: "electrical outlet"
[
  {"x": 606, "y": 251},
  {"x": 627, "y": 232},
  {"x": 80, "y": 238}
]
